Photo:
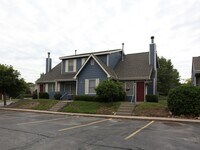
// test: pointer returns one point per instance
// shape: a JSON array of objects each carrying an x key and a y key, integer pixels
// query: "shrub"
[
  {"x": 43, "y": 95},
  {"x": 34, "y": 96},
  {"x": 109, "y": 91},
  {"x": 57, "y": 96},
  {"x": 85, "y": 98},
  {"x": 184, "y": 100},
  {"x": 152, "y": 98}
]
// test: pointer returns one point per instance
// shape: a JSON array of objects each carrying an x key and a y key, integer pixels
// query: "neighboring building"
[
  {"x": 79, "y": 74},
  {"x": 196, "y": 71}
]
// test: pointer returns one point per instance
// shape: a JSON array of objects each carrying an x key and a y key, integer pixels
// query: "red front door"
[
  {"x": 41, "y": 87},
  {"x": 140, "y": 92}
]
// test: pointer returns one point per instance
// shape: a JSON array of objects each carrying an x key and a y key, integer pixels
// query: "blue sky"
[{"x": 31, "y": 28}]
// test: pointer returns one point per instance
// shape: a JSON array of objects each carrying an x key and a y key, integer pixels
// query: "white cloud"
[{"x": 31, "y": 28}]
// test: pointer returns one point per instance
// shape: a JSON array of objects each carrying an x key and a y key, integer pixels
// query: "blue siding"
[
  {"x": 89, "y": 72},
  {"x": 150, "y": 89},
  {"x": 78, "y": 63},
  {"x": 103, "y": 58},
  {"x": 114, "y": 59}
]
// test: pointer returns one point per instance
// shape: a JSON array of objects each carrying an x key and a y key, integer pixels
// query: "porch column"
[{"x": 46, "y": 87}]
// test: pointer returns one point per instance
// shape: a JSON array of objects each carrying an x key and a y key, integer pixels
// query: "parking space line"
[
  {"x": 33, "y": 122},
  {"x": 134, "y": 133},
  {"x": 84, "y": 125}
]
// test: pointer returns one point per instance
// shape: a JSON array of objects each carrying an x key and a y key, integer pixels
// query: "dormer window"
[
  {"x": 83, "y": 60},
  {"x": 70, "y": 65}
]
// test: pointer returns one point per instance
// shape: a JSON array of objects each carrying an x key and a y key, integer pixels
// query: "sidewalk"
[{"x": 106, "y": 116}]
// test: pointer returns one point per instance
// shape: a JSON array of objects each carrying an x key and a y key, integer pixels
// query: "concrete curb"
[{"x": 106, "y": 116}]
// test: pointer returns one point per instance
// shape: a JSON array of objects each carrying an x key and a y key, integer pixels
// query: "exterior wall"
[
  {"x": 150, "y": 88},
  {"x": 89, "y": 72},
  {"x": 114, "y": 59},
  {"x": 129, "y": 88},
  {"x": 103, "y": 58}
]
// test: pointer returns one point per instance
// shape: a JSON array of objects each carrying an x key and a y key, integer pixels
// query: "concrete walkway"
[{"x": 106, "y": 116}]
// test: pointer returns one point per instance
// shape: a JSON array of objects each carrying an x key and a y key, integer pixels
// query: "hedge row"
[{"x": 184, "y": 100}]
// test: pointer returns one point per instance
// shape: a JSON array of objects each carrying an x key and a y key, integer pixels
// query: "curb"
[{"x": 106, "y": 116}]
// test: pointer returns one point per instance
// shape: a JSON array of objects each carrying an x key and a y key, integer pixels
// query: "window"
[
  {"x": 90, "y": 85},
  {"x": 83, "y": 60},
  {"x": 92, "y": 61},
  {"x": 51, "y": 87},
  {"x": 70, "y": 65}
]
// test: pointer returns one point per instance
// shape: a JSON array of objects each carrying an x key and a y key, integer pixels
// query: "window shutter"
[
  {"x": 46, "y": 88},
  {"x": 66, "y": 66},
  {"x": 74, "y": 65},
  {"x": 97, "y": 82},
  {"x": 86, "y": 86}
]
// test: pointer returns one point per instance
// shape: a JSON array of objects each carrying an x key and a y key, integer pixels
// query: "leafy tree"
[
  {"x": 168, "y": 77},
  {"x": 10, "y": 82},
  {"x": 109, "y": 91}
]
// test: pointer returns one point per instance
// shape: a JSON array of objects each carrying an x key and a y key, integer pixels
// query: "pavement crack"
[{"x": 39, "y": 134}]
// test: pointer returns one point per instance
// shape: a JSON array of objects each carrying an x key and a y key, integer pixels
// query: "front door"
[{"x": 140, "y": 92}]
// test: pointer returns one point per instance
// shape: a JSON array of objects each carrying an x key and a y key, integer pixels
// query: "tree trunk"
[{"x": 4, "y": 98}]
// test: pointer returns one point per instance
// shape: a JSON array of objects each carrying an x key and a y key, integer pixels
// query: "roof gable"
[{"x": 106, "y": 69}]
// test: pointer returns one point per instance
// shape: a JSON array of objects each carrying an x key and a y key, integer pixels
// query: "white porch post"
[{"x": 46, "y": 87}]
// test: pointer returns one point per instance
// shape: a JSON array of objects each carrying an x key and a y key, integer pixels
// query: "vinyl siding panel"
[
  {"x": 103, "y": 58},
  {"x": 89, "y": 72},
  {"x": 114, "y": 59}
]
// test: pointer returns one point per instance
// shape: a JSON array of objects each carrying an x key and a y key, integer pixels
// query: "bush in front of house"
[
  {"x": 85, "y": 98},
  {"x": 34, "y": 96},
  {"x": 152, "y": 98},
  {"x": 184, "y": 100},
  {"x": 43, "y": 95},
  {"x": 109, "y": 91},
  {"x": 57, "y": 96}
]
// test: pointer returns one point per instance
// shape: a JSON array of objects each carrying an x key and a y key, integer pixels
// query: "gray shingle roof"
[
  {"x": 196, "y": 63},
  {"x": 134, "y": 67},
  {"x": 55, "y": 74}
]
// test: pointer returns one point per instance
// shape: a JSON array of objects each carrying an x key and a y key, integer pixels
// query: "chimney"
[
  {"x": 122, "y": 51},
  {"x": 153, "y": 63},
  {"x": 75, "y": 51},
  {"x": 152, "y": 53},
  {"x": 48, "y": 63}
]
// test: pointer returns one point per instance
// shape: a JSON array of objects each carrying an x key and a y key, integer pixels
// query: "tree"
[
  {"x": 109, "y": 91},
  {"x": 168, "y": 77},
  {"x": 10, "y": 82}
]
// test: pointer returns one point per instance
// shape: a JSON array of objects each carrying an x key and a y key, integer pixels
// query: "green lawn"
[
  {"x": 39, "y": 104},
  {"x": 91, "y": 107}
]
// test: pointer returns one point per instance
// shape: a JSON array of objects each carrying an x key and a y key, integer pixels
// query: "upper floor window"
[
  {"x": 70, "y": 65},
  {"x": 83, "y": 60}
]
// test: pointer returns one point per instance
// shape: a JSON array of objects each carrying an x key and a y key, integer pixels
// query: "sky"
[{"x": 31, "y": 28}]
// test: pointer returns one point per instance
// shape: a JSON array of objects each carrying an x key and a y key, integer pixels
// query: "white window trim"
[
  {"x": 67, "y": 66},
  {"x": 87, "y": 85},
  {"x": 83, "y": 60}
]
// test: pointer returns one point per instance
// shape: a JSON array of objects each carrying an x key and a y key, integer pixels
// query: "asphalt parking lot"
[{"x": 36, "y": 131}]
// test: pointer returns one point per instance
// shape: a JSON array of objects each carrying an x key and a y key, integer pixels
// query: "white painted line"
[
  {"x": 134, "y": 133},
  {"x": 33, "y": 122},
  {"x": 84, "y": 125}
]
